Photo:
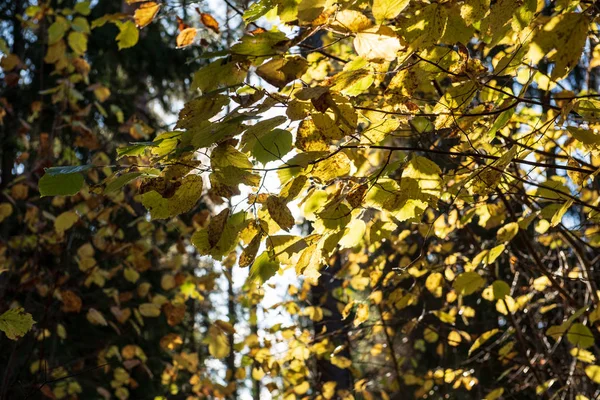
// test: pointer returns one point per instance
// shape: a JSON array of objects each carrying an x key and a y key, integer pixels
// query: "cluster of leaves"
[{"x": 444, "y": 157}]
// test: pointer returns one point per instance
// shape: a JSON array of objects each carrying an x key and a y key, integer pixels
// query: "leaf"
[
  {"x": 62, "y": 181},
  {"x": 468, "y": 283},
  {"x": 280, "y": 213},
  {"x": 272, "y": 146},
  {"x": 186, "y": 37},
  {"x": 388, "y": 9},
  {"x": 219, "y": 74},
  {"x": 249, "y": 253},
  {"x": 281, "y": 71},
  {"x": 57, "y": 30},
  {"x": 183, "y": 200},
  {"x": 122, "y": 180},
  {"x": 6, "y": 209},
  {"x": 78, "y": 42},
  {"x": 210, "y": 22},
  {"x": 15, "y": 323},
  {"x": 434, "y": 283},
  {"x": 484, "y": 337},
  {"x": 496, "y": 291},
  {"x": 128, "y": 34},
  {"x": 145, "y": 13},
  {"x": 593, "y": 372},
  {"x": 83, "y": 7},
  {"x": 95, "y": 317},
  {"x": 332, "y": 167},
  {"x": 65, "y": 221},
  {"x": 487, "y": 179},
  {"x": 216, "y": 226},
  {"x": 557, "y": 217},
  {"x": 567, "y": 33},
  {"x": 149, "y": 310},
  {"x": 507, "y": 232},
  {"x": 218, "y": 344},
  {"x": 263, "y": 268},
  {"x": 361, "y": 314},
  {"x": 494, "y": 253},
  {"x": 580, "y": 335},
  {"x": 350, "y": 21},
  {"x": 377, "y": 44},
  {"x": 262, "y": 44}
]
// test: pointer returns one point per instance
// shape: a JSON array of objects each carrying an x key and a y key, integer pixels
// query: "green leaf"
[
  {"x": 259, "y": 45},
  {"x": 81, "y": 24},
  {"x": 263, "y": 268},
  {"x": 15, "y": 323},
  {"x": 272, "y": 146},
  {"x": 60, "y": 185},
  {"x": 128, "y": 34},
  {"x": 83, "y": 7},
  {"x": 219, "y": 74},
  {"x": 121, "y": 181},
  {"x": 580, "y": 335},
  {"x": 468, "y": 283},
  {"x": 258, "y": 9},
  {"x": 57, "y": 30},
  {"x": 135, "y": 150}
]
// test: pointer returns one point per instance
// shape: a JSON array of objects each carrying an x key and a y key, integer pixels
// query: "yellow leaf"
[
  {"x": 482, "y": 339},
  {"x": 507, "y": 232},
  {"x": 388, "y": 9},
  {"x": 145, "y": 13},
  {"x": 218, "y": 344},
  {"x": 361, "y": 314},
  {"x": 593, "y": 372},
  {"x": 128, "y": 34},
  {"x": 377, "y": 44},
  {"x": 65, "y": 221},
  {"x": 184, "y": 199},
  {"x": 186, "y": 37},
  {"x": 583, "y": 355},
  {"x": 468, "y": 283},
  {"x": 434, "y": 283},
  {"x": 454, "y": 338},
  {"x": 302, "y": 388},
  {"x": 494, "y": 394}
]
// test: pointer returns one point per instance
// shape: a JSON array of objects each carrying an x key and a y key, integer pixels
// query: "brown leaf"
[
  {"x": 71, "y": 302},
  {"x": 356, "y": 195},
  {"x": 216, "y": 226},
  {"x": 181, "y": 25},
  {"x": 175, "y": 314},
  {"x": 249, "y": 254},
  {"x": 280, "y": 213},
  {"x": 208, "y": 21}
]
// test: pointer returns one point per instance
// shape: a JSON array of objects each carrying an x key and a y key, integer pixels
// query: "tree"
[
  {"x": 445, "y": 157},
  {"x": 88, "y": 274}
]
